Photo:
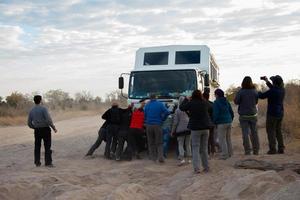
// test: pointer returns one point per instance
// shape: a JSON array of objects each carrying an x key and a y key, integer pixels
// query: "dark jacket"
[
  {"x": 247, "y": 100},
  {"x": 125, "y": 119},
  {"x": 198, "y": 112},
  {"x": 222, "y": 111},
  {"x": 275, "y": 96},
  {"x": 113, "y": 119}
]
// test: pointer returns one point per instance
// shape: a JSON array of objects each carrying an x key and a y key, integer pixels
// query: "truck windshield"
[{"x": 165, "y": 84}]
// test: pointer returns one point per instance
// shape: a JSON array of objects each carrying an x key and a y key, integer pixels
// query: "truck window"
[
  {"x": 187, "y": 57},
  {"x": 166, "y": 84},
  {"x": 156, "y": 58}
]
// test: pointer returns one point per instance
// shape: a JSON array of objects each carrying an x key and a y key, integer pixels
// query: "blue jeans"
[
  {"x": 199, "y": 148},
  {"x": 166, "y": 140}
]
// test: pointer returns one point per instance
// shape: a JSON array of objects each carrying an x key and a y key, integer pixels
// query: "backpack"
[{"x": 115, "y": 116}]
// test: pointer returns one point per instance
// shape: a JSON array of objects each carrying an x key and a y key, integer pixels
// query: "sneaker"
[
  {"x": 255, "y": 152},
  {"x": 138, "y": 157},
  {"x": 247, "y": 153},
  {"x": 161, "y": 160},
  {"x": 182, "y": 162},
  {"x": 118, "y": 158},
  {"x": 197, "y": 171},
  {"x": 37, "y": 164},
  {"x": 206, "y": 170}
]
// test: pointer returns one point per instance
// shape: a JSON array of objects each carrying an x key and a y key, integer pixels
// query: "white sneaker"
[{"x": 182, "y": 162}]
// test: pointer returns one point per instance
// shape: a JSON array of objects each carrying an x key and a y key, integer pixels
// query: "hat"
[
  {"x": 277, "y": 80},
  {"x": 219, "y": 92}
]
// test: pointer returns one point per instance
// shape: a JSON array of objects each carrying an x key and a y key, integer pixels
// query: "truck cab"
[{"x": 172, "y": 71}]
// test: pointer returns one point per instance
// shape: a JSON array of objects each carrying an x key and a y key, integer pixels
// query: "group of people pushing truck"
[{"x": 198, "y": 125}]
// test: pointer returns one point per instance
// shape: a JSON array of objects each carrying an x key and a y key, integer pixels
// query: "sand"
[{"x": 76, "y": 177}]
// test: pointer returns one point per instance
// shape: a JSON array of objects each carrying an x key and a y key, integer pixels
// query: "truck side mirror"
[
  {"x": 206, "y": 79},
  {"x": 121, "y": 82}
]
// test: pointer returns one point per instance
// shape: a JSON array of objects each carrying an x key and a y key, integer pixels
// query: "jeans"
[
  {"x": 166, "y": 140},
  {"x": 155, "y": 142},
  {"x": 98, "y": 142},
  {"x": 184, "y": 141},
  {"x": 273, "y": 126},
  {"x": 246, "y": 125},
  {"x": 224, "y": 133},
  {"x": 199, "y": 148},
  {"x": 45, "y": 135}
]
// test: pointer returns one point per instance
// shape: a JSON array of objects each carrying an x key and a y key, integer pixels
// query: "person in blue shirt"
[{"x": 155, "y": 114}]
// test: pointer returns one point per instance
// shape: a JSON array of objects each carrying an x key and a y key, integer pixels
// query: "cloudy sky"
[{"x": 77, "y": 45}]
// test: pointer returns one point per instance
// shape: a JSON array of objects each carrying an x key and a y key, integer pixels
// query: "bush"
[{"x": 291, "y": 120}]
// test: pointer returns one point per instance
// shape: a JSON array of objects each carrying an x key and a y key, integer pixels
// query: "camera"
[{"x": 263, "y": 78}]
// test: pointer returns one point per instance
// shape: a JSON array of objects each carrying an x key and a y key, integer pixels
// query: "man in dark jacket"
[
  {"x": 40, "y": 120},
  {"x": 113, "y": 118},
  {"x": 275, "y": 96}
]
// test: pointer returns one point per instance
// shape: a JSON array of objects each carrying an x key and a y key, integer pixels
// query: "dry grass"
[
  {"x": 57, "y": 115},
  {"x": 12, "y": 121},
  {"x": 291, "y": 121}
]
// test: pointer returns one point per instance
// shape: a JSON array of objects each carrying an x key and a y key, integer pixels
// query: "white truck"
[{"x": 170, "y": 72}]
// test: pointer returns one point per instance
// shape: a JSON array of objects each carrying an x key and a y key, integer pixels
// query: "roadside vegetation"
[{"x": 15, "y": 107}]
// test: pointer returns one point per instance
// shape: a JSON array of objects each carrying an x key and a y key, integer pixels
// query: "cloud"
[
  {"x": 58, "y": 44},
  {"x": 10, "y": 38}
]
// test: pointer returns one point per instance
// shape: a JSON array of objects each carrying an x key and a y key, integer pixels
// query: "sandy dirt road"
[{"x": 76, "y": 177}]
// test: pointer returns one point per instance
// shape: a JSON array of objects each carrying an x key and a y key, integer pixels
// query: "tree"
[
  {"x": 117, "y": 97},
  {"x": 58, "y": 98},
  {"x": 98, "y": 100},
  {"x": 231, "y": 92},
  {"x": 16, "y": 100},
  {"x": 83, "y": 97}
]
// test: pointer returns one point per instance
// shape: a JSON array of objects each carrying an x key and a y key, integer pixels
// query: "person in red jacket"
[{"x": 136, "y": 130}]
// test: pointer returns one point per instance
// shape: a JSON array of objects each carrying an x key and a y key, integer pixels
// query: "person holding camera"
[
  {"x": 247, "y": 99},
  {"x": 275, "y": 111}
]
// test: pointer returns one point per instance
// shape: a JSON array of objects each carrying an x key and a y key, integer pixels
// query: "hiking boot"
[
  {"x": 271, "y": 152},
  {"x": 280, "y": 151},
  {"x": 206, "y": 170},
  {"x": 37, "y": 164}
]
